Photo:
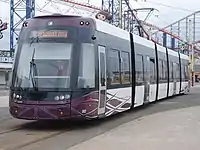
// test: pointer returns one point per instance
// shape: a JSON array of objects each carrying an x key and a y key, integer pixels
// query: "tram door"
[{"x": 102, "y": 80}]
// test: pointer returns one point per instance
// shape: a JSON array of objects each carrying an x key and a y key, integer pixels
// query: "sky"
[{"x": 168, "y": 11}]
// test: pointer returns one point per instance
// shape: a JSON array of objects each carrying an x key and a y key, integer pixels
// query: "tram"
[{"x": 77, "y": 67}]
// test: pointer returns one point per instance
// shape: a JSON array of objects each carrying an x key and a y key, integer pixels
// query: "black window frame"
[
  {"x": 129, "y": 67},
  {"x": 153, "y": 72},
  {"x": 136, "y": 71},
  {"x": 109, "y": 80}
]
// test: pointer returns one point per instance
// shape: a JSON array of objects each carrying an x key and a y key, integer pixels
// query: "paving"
[{"x": 174, "y": 130}]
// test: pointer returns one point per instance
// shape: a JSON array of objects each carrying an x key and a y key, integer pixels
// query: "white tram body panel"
[{"x": 156, "y": 92}]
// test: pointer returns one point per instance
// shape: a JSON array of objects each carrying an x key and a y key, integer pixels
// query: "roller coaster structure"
[{"x": 123, "y": 16}]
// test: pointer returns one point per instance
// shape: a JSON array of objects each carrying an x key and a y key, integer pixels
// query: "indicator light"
[
  {"x": 87, "y": 23},
  {"x": 62, "y": 97},
  {"x": 67, "y": 96},
  {"x": 81, "y": 23},
  {"x": 56, "y": 98}
]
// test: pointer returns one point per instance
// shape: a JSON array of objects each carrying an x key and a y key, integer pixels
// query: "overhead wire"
[
  {"x": 159, "y": 18},
  {"x": 169, "y": 6},
  {"x": 153, "y": 14}
]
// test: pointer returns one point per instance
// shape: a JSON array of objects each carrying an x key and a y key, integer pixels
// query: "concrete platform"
[{"x": 170, "y": 130}]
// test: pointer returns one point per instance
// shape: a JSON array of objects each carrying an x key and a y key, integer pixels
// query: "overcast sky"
[{"x": 168, "y": 11}]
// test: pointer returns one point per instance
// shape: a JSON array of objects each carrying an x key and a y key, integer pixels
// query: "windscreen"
[
  {"x": 55, "y": 54},
  {"x": 44, "y": 61}
]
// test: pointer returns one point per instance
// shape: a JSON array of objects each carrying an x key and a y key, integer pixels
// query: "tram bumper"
[
  {"x": 84, "y": 107},
  {"x": 40, "y": 112}
]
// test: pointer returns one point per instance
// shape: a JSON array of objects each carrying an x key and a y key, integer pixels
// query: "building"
[{"x": 6, "y": 61}]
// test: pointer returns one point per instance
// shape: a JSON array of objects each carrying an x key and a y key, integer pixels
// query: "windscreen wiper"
[
  {"x": 37, "y": 38},
  {"x": 33, "y": 70},
  {"x": 33, "y": 39}
]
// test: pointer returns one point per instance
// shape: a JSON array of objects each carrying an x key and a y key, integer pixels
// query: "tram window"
[
  {"x": 172, "y": 76},
  {"x": 152, "y": 69},
  {"x": 178, "y": 72},
  {"x": 125, "y": 70},
  {"x": 113, "y": 69},
  {"x": 86, "y": 77},
  {"x": 170, "y": 70},
  {"x": 160, "y": 69},
  {"x": 139, "y": 68},
  {"x": 182, "y": 72},
  {"x": 175, "y": 70},
  {"x": 186, "y": 72},
  {"x": 166, "y": 70}
]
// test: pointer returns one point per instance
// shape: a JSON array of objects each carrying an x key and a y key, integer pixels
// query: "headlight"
[
  {"x": 67, "y": 96},
  {"x": 17, "y": 96},
  {"x": 62, "y": 97},
  {"x": 56, "y": 98}
]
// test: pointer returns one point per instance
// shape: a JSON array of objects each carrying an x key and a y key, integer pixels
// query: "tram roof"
[{"x": 110, "y": 29}]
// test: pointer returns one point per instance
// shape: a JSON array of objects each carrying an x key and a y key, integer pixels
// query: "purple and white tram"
[{"x": 77, "y": 67}]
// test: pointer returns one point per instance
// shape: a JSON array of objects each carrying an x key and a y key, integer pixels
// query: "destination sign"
[{"x": 50, "y": 34}]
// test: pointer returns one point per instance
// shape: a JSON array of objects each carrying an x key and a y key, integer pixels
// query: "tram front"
[{"x": 54, "y": 69}]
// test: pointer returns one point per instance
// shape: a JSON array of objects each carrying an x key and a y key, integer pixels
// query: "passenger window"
[
  {"x": 125, "y": 70},
  {"x": 139, "y": 68},
  {"x": 113, "y": 67},
  {"x": 175, "y": 70},
  {"x": 171, "y": 71},
  {"x": 182, "y": 72},
  {"x": 166, "y": 70},
  {"x": 152, "y": 70},
  {"x": 178, "y": 72},
  {"x": 160, "y": 69},
  {"x": 186, "y": 72}
]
